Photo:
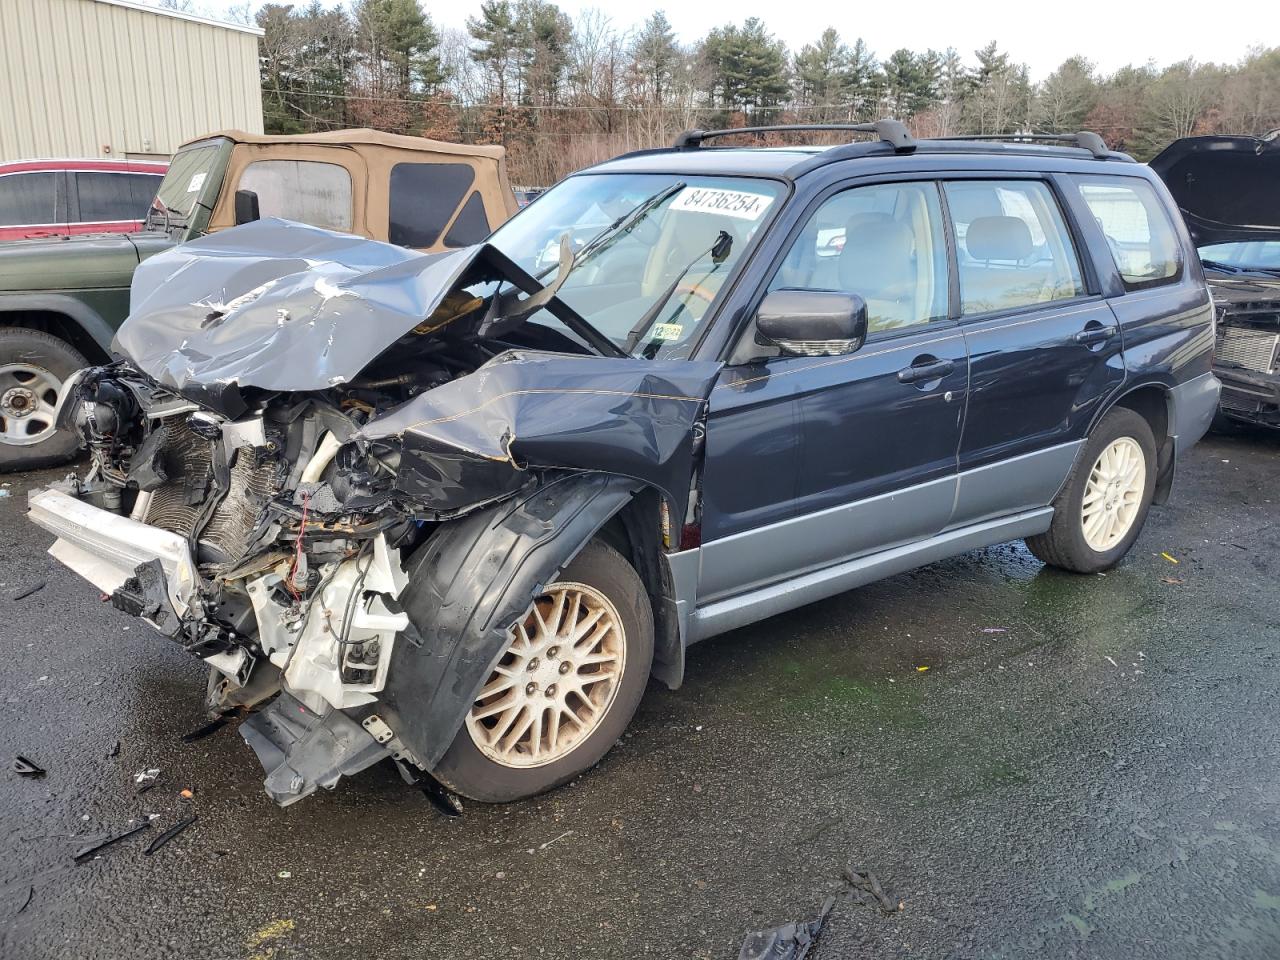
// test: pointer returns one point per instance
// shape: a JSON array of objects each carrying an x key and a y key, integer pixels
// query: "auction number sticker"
[
  {"x": 197, "y": 181},
  {"x": 729, "y": 203}
]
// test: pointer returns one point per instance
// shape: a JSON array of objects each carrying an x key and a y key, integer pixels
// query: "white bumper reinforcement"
[{"x": 105, "y": 548}]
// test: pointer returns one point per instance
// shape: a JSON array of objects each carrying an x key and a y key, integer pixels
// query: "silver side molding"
[{"x": 738, "y": 611}]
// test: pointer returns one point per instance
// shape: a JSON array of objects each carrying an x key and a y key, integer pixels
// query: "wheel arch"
[
  {"x": 61, "y": 316},
  {"x": 1153, "y": 401},
  {"x": 475, "y": 575}
]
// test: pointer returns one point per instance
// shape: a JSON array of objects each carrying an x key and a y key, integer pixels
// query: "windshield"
[
  {"x": 183, "y": 185},
  {"x": 652, "y": 251},
  {"x": 1245, "y": 255}
]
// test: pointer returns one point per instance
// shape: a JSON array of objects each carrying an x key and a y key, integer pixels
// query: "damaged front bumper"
[{"x": 325, "y": 665}]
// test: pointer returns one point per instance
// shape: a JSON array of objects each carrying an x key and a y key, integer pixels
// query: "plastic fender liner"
[{"x": 468, "y": 584}]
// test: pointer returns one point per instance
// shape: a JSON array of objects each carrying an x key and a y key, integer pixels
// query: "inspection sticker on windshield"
[
  {"x": 197, "y": 181},
  {"x": 729, "y": 203},
  {"x": 668, "y": 331}
]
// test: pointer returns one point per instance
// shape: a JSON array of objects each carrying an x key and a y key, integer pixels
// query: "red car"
[{"x": 58, "y": 198}]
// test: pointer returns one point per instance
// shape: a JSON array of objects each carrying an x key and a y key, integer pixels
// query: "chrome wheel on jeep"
[
  {"x": 28, "y": 397},
  {"x": 33, "y": 367}
]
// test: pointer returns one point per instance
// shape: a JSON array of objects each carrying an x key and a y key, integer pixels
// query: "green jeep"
[{"x": 62, "y": 299}]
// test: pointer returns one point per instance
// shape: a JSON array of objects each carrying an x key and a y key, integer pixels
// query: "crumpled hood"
[
  {"x": 1228, "y": 188},
  {"x": 278, "y": 306}
]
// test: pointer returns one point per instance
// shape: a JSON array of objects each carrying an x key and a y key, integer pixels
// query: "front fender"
[{"x": 467, "y": 585}]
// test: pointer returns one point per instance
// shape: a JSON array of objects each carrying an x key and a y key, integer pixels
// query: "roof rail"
[
  {"x": 1085, "y": 138},
  {"x": 892, "y": 132}
]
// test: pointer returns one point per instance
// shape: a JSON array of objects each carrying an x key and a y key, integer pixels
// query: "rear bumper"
[
  {"x": 106, "y": 548},
  {"x": 1193, "y": 405}
]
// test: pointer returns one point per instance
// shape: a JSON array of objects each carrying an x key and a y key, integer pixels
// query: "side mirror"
[
  {"x": 246, "y": 207},
  {"x": 813, "y": 323}
]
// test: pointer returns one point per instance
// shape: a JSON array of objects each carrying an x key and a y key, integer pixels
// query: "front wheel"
[
  {"x": 1100, "y": 510},
  {"x": 564, "y": 689},
  {"x": 33, "y": 367}
]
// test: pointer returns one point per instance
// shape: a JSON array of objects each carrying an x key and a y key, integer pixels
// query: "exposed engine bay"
[
  {"x": 1246, "y": 354},
  {"x": 295, "y": 419}
]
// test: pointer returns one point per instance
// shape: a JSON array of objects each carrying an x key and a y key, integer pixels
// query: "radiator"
[
  {"x": 178, "y": 504},
  {"x": 1247, "y": 347}
]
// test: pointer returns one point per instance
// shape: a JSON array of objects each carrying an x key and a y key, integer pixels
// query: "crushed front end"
[
  {"x": 1246, "y": 355},
  {"x": 298, "y": 424}
]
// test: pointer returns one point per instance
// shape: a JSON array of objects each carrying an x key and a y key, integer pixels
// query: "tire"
[
  {"x": 28, "y": 360},
  {"x": 1066, "y": 544},
  {"x": 473, "y": 771}
]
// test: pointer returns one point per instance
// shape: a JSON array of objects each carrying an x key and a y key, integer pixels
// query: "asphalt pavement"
[{"x": 1033, "y": 764}]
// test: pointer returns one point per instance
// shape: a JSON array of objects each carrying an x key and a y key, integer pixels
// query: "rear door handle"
[
  {"x": 1095, "y": 333},
  {"x": 923, "y": 370}
]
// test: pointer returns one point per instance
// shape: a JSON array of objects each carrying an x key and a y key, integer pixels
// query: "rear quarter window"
[
  {"x": 28, "y": 198},
  {"x": 423, "y": 199},
  {"x": 1137, "y": 229}
]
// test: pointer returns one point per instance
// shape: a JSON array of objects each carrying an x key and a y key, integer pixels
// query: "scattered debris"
[
  {"x": 26, "y": 901},
  {"x": 146, "y": 779},
  {"x": 1110, "y": 661},
  {"x": 86, "y": 853},
  {"x": 922, "y": 669},
  {"x": 284, "y": 874},
  {"x": 186, "y": 793},
  {"x": 169, "y": 834},
  {"x": 791, "y": 941},
  {"x": 26, "y": 768},
  {"x": 23, "y": 592},
  {"x": 210, "y": 728},
  {"x": 995, "y": 630},
  {"x": 1171, "y": 559},
  {"x": 556, "y": 839},
  {"x": 114, "y": 751},
  {"x": 5, "y": 494},
  {"x": 869, "y": 883},
  {"x": 442, "y": 798},
  {"x": 1170, "y": 580}
]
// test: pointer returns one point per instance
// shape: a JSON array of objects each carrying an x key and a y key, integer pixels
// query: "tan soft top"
[{"x": 364, "y": 136}]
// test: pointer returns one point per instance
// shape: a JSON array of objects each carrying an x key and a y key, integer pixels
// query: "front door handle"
[
  {"x": 924, "y": 369},
  {"x": 1095, "y": 333}
]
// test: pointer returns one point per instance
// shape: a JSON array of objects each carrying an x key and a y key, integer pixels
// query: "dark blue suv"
[{"x": 456, "y": 509}]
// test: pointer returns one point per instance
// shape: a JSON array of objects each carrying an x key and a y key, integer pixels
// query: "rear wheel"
[
  {"x": 1101, "y": 509},
  {"x": 33, "y": 368},
  {"x": 564, "y": 689}
]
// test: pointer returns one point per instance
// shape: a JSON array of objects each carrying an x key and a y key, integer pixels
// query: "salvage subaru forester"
[{"x": 456, "y": 509}]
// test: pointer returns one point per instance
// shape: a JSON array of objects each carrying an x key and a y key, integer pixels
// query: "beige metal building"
[{"x": 119, "y": 78}]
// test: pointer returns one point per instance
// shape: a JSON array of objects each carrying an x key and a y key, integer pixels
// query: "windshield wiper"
[
  {"x": 624, "y": 224},
  {"x": 719, "y": 252}
]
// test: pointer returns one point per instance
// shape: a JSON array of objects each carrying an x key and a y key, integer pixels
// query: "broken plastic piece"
[
  {"x": 24, "y": 767},
  {"x": 146, "y": 779},
  {"x": 169, "y": 834},
  {"x": 791, "y": 941},
  {"x": 85, "y": 853},
  {"x": 114, "y": 751},
  {"x": 187, "y": 794},
  {"x": 1171, "y": 559},
  {"x": 210, "y": 728},
  {"x": 24, "y": 592}
]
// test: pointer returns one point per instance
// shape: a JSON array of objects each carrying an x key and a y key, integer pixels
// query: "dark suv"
[{"x": 456, "y": 509}]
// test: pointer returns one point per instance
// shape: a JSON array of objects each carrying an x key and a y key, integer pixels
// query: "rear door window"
[
  {"x": 1013, "y": 247},
  {"x": 423, "y": 199},
  {"x": 1139, "y": 234},
  {"x": 308, "y": 191},
  {"x": 110, "y": 197},
  {"x": 29, "y": 198}
]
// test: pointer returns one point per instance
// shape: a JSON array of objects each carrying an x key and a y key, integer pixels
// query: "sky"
[{"x": 1109, "y": 33}]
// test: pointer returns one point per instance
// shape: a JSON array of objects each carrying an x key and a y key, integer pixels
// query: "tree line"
[{"x": 562, "y": 93}]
